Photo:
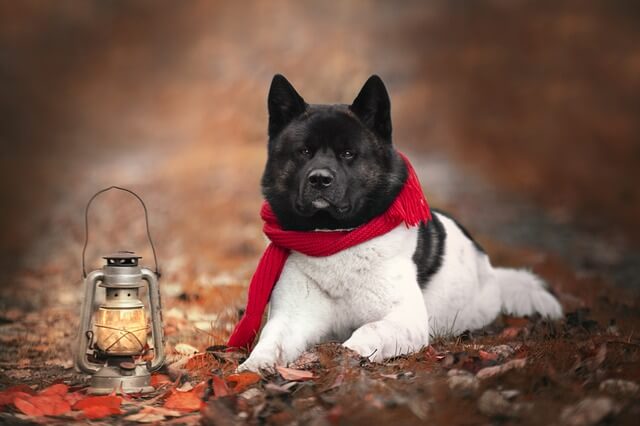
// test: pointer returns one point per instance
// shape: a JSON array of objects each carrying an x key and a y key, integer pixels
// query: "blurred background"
[{"x": 520, "y": 116}]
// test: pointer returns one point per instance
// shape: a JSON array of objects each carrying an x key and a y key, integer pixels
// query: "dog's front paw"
[
  {"x": 258, "y": 363},
  {"x": 365, "y": 349}
]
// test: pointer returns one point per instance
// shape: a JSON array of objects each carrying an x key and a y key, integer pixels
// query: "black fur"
[
  {"x": 463, "y": 229},
  {"x": 429, "y": 250},
  {"x": 351, "y": 143}
]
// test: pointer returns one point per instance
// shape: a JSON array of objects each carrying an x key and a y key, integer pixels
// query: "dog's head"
[{"x": 330, "y": 166}]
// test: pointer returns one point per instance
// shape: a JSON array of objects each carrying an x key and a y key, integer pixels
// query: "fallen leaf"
[
  {"x": 186, "y": 387},
  {"x": 73, "y": 397},
  {"x": 220, "y": 388},
  {"x": 8, "y": 395},
  {"x": 152, "y": 415},
  {"x": 58, "y": 389},
  {"x": 306, "y": 360},
  {"x": 293, "y": 374},
  {"x": 184, "y": 401},
  {"x": 96, "y": 407},
  {"x": 389, "y": 376},
  {"x": 143, "y": 417},
  {"x": 7, "y": 398},
  {"x": 487, "y": 356},
  {"x": 337, "y": 382},
  {"x": 511, "y": 332},
  {"x": 100, "y": 411},
  {"x": 243, "y": 380},
  {"x": 200, "y": 388},
  {"x": 496, "y": 370},
  {"x": 197, "y": 361},
  {"x": 274, "y": 389},
  {"x": 186, "y": 349},
  {"x": 159, "y": 379},
  {"x": 104, "y": 400},
  {"x": 42, "y": 405}
]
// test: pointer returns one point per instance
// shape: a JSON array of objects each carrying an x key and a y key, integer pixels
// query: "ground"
[{"x": 520, "y": 119}]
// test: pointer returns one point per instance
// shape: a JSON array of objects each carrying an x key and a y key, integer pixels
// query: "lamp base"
[{"x": 111, "y": 379}]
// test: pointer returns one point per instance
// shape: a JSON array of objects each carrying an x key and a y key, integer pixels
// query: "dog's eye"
[
  {"x": 347, "y": 154},
  {"x": 304, "y": 152}
]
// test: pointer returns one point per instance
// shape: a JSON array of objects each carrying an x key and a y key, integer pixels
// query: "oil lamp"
[{"x": 112, "y": 342}]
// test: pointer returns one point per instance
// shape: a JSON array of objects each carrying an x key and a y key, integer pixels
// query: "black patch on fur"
[
  {"x": 463, "y": 229},
  {"x": 430, "y": 249}
]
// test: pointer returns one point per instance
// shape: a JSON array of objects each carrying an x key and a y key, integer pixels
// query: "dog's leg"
[
  {"x": 300, "y": 316},
  {"x": 403, "y": 330}
]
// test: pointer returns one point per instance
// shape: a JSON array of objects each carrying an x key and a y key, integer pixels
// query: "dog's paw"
[
  {"x": 380, "y": 340},
  {"x": 258, "y": 364},
  {"x": 364, "y": 349}
]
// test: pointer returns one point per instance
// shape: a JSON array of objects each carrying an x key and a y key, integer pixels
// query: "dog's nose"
[{"x": 320, "y": 178}]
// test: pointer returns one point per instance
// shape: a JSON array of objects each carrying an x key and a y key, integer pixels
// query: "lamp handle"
[
  {"x": 155, "y": 304},
  {"x": 86, "y": 226}
]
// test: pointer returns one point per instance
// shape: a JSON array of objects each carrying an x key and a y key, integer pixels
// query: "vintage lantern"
[{"x": 112, "y": 343}]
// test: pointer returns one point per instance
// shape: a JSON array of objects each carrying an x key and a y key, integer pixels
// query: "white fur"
[{"x": 368, "y": 298}]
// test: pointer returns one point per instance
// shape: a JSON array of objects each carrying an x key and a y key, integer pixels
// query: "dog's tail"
[{"x": 524, "y": 293}]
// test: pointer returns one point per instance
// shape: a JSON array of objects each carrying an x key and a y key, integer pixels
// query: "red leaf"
[
  {"x": 103, "y": 400},
  {"x": 99, "y": 411},
  {"x": 42, "y": 405},
  {"x": 159, "y": 379},
  {"x": 220, "y": 388},
  {"x": 58, "y": 389},
  {"x": 97, "y": 407},
  {"x": 293, "y": 374},
  {"x": 243, "y": 380},
  {"x": 8, "y": 395},
  {"x": 7, "y": 398},
  {"x": 73, "y": 397},
  {"x": 199, "y": 388},
  {"x": 184, "y": 401}
]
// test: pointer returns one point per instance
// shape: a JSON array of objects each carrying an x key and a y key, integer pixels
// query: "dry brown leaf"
[
  {"x": 152, "y": 415},
  {"x": 496, "y": 370},
  {"x": 186, "y": 349},
  {"x": 293, "y": 374},
  {"x": 511, "y": 332}
]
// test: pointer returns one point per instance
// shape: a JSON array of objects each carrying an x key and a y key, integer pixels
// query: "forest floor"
[{"x": 192, "y": 144}]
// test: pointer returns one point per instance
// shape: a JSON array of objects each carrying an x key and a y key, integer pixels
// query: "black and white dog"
[{"x": 384, "y": 297}]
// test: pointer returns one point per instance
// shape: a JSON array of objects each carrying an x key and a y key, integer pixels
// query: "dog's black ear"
[
  {"x": 284, "y": 104},
  {"x": 373, "y": 107}
]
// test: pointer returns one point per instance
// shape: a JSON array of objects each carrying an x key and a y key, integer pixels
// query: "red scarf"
[{"x": 410, "y": 207}]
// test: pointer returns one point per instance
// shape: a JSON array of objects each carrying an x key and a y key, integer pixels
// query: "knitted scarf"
[{"x": 410, "y": 207}]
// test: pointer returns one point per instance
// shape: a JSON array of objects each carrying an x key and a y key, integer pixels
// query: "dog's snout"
[{"x": 320, "y": 178}]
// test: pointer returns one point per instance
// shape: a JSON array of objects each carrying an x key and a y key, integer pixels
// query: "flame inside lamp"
[{"x": 121, "y": 331}]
